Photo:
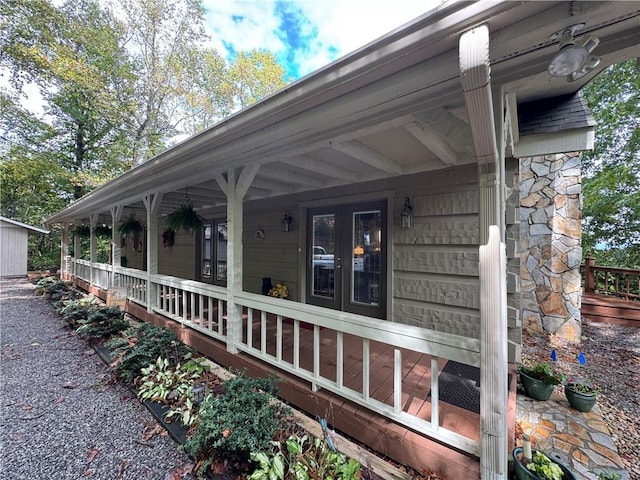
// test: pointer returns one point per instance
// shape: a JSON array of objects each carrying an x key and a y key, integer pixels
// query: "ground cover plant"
[{"x": 235, "y": 428}]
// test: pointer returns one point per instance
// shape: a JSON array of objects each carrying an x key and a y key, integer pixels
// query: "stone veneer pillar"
[{"x": 551, "y": 234}]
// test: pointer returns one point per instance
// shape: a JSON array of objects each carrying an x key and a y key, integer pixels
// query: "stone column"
[{"x": 551, "y": 234}]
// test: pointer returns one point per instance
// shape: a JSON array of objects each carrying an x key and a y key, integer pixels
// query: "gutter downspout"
[{"x": 476, "y": 85}]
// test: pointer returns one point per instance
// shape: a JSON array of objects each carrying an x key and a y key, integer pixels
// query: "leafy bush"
[
  {"x": 73, "y": 311},
  {"x": 143, "y": 346},
  {"x": 43, "y": 284},
  {"x": 303, "y": 459},
  {"x": 102, "y": 322},
  {"x": 160, "y": 382},
  {"x": 242, "y": 420}
]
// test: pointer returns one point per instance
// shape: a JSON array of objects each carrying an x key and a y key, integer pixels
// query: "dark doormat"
[{"x": 459, "y": 385}]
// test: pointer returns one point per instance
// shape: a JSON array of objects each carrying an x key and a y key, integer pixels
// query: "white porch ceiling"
[{"x": 394, "y": 107}]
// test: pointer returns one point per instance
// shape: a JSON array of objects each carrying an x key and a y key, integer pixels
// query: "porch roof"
[{"x": 393, "y": 107}]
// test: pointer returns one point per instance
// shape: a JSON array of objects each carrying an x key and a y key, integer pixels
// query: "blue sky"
[{"x": 305, "y": 35}]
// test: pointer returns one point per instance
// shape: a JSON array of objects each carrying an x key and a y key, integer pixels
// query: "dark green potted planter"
[
  {"x": 523, "y": 473},
  {"x": 539, "y": 380},
  {"x": 582, "y": 397}
]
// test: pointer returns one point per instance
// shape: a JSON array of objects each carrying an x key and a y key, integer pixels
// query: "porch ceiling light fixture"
[
  {"x": 406, "y": 214},
  {"x": 574, "y": 59}
]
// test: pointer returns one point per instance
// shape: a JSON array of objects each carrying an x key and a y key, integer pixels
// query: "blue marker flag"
[
  {"x": 554, "y": 355},
  {"x": 582, "y": 359}
]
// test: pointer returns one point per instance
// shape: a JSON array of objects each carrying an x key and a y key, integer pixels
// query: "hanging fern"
[
  {"x": 130, "y": 225},
  {"x": 82, "y": 230},
  {"x": 184, "y": 218},
  {"x": 102, "y": 231}
]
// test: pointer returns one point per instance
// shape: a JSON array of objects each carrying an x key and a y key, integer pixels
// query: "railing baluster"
[
  {"x": 339, "y": 359},
  {"x": 279, "y": 338},
  {"x": 365, "y": 368},
  {"x": 263, "y": 332},
  {"x": 296, "y": 344},
  {"x": 209, "y": 313},
  {"x": 435, "y": 396},
  {"x": 397, "y": 380},
  {"x": 250, "y": 328},
  {"x": 316, "y": 356}
]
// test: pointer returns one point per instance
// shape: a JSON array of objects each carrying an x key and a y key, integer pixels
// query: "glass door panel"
[
  {"x": 323, "y": 234},
  {"x": 366, "y": 247}
]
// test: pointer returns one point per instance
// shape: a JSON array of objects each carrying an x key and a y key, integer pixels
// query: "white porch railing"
[
  {"x": 82, "y": 269},
  {"x": 298, "y": 339},
  {"x": 332, "y": 333},
  {"x": 134, "y": 281}
]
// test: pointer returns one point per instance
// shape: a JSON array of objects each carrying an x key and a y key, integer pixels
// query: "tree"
[
  {"x": 75, "y": 56},
  {"x": 611, "y": 184},
  {"x": 160, "y": 35}
]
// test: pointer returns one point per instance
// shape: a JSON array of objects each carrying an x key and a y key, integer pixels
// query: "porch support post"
[
  {"x": 116, "y": 251},
  {"x": 93, "y": 222},
  {"x": 76, "y": 246},
  {"x": 475, "y": 77},
  {"x": 235, "y": 191},
  {"x": 64, "y": 251},
  {"x": 152, "y": 204}
]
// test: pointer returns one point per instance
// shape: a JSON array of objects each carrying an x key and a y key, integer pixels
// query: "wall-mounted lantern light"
[
  {"x": 406, "y": 214},
  {"x": 286, "y": 222}
]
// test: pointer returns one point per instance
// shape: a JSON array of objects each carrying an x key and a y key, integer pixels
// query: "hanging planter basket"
[
  {"x": 83, "y": 231},
  {"x": 130, "y": 225},
  {"x": 102, "y": 231},
  {"x": 183, "y": 218}
]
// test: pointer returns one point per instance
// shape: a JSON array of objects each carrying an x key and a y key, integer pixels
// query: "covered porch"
[{"x": 425, "y": 121}]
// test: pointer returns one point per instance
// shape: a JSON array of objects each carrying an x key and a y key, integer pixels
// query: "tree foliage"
[
  {"x": 119, "y": 81},
  {"x": 611, "y": 185}
]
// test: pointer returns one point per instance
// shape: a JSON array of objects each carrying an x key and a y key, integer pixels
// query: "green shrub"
[
  {"x": 303, "y": 459},
  {"x": 242, "y": 420},
  {"x": 74, "y": 311},
  {"x": 102, "y": 322},
  {"x": 143, "y": 346}
]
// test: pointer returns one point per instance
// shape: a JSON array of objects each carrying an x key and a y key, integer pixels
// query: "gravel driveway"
[{"x": 61, "y": 416}]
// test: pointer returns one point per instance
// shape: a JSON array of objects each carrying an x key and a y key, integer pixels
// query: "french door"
[{"x": 346, "y": 258}]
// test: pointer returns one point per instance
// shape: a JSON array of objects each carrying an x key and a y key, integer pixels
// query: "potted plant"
[
  {"x": 540, "y": 467},
  {"x": 130, "y": 225},
  {"x": 183, "y": 218},
  {"x": 581, "y": 394},
  {"x": 538, "y": 380},
  {"x": 279, "y": 291}
]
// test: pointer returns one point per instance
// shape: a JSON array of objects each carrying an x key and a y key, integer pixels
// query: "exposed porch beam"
[
  {"x": 273, "y": 172},
  {"x": 311, "y": 164},
  {"x": 433, "y": 140},
  {"x": 368, "y": 155}
]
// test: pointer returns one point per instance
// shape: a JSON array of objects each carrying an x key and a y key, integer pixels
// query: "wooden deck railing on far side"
[{"x": 611, "y": 294}]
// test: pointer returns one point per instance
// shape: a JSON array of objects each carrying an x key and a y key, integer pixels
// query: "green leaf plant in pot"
[
  {"x": 183, "y": 218},
  {"x": 580, "y": 392},
  {"x": 540, "y": 467},
  {"x": 539, "y": 379}
]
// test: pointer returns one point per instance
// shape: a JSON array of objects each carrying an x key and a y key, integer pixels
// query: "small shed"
[{"x": 14, "y": 246}]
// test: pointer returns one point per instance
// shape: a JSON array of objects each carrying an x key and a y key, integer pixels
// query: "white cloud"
[{"x": 306, "y": 34}]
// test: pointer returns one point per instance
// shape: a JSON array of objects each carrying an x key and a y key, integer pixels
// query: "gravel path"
[
  {"x": 613, "y": 364},
  {"x": 61, "y": 415}
]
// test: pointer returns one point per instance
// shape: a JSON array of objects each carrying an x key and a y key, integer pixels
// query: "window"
[{"x": 213, "y": 268}]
